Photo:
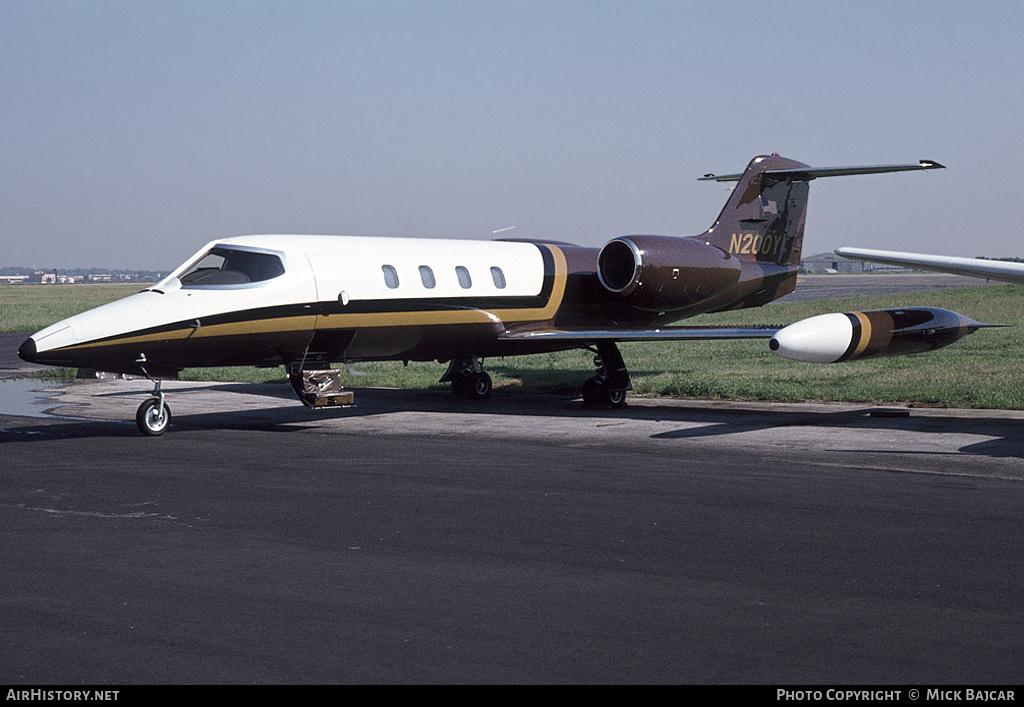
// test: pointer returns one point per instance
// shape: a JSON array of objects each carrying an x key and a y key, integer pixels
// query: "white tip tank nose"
[{"x": 821, "y": 339}]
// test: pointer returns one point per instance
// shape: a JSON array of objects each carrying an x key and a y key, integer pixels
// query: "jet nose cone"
[{"x": 27, "y": 351}]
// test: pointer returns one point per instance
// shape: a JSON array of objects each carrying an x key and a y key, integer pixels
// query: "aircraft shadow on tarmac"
[
  {"x": 1005, "y": 444},
  {"x": 1005, "y": 439}
]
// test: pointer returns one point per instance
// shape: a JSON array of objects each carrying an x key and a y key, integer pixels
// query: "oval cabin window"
[
  {"x": 464, "y": 279},
  {"x": 499, "y": 278},
  {"x": 390, "y": 276},
  {"x": 427, "y": 277}
]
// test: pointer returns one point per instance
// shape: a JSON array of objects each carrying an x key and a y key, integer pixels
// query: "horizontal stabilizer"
[{"x": 809, "y": 173}]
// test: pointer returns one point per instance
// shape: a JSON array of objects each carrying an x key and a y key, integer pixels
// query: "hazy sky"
[{"x": 131, "y": 133}]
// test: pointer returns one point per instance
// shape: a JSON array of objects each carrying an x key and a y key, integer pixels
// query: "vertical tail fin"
[{"x": 763, "y": 220}]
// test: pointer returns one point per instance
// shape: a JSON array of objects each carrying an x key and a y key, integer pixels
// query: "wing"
[
  {"x": 971, "y": 267},
  {"x": 591, "y": 336}
]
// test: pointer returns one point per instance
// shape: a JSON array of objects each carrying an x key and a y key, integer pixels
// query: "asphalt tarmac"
[{"x": 415, "y": 538}]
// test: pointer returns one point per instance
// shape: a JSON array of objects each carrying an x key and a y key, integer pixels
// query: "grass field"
[
  {"x": 32, "y": 307},
  {"x": 984, "y": 370}
]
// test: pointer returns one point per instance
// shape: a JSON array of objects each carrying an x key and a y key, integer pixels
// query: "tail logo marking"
[{"x": 755, "y": 244}]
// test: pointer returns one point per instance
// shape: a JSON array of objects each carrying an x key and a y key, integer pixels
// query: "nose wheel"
[{"x": 153, "y": 416}]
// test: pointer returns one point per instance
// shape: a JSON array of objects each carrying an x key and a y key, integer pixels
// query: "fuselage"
[{"x": 285, "y": 299}]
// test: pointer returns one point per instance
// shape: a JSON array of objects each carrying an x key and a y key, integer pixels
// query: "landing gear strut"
[
  {"x": 607, "y": 389},
  {"x": 468, "y": 378}
]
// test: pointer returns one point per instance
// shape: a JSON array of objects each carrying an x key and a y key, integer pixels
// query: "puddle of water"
[{"x": 21, "y": 396}]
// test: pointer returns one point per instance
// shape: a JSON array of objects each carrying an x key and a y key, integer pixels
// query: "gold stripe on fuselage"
[{"x": 865, "y": 334}]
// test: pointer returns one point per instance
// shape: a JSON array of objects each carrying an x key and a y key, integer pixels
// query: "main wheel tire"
[
  {"x": 481, "y": 385},
  {"x": 591, "y": 393},
  {"x": 615, "y": 398},
  {"x": 149, "y": 420},
  {"x": 475, "y": 386},
  {"x": 597, "y": 395},
  {"x": 459, "y": 385}
]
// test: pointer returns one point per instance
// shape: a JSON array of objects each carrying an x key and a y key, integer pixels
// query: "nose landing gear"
[{"x": 153, "y": 416}]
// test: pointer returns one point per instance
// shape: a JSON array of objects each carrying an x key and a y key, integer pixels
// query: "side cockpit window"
[{"x": 222, "y": 267}]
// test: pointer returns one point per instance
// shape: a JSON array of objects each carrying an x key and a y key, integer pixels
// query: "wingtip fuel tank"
[{"x": 850, "y": 336}]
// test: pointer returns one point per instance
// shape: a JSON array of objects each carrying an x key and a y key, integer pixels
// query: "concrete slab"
[{"x": 922, "y": 440}]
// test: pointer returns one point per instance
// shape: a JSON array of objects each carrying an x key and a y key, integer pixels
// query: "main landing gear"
[
  {"x": 607, "y": 389},
  {"x": 468, "y": 378}
]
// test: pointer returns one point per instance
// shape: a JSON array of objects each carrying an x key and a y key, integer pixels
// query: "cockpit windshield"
[{"x": 222, "y": 266}]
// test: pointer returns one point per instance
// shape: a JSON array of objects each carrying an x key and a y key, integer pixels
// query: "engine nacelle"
[
  {"x": 662, "y": 273},
  {"x": 831, "y": 338}
]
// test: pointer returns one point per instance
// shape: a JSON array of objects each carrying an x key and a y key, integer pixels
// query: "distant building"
[
  {"x": 18, "y": 276},
  {"x": 831, "y": 263},
  {"x": 41, "y": 277}
]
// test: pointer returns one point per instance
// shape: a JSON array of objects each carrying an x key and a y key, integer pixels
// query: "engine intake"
[{"x": 662, "y": 273}]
